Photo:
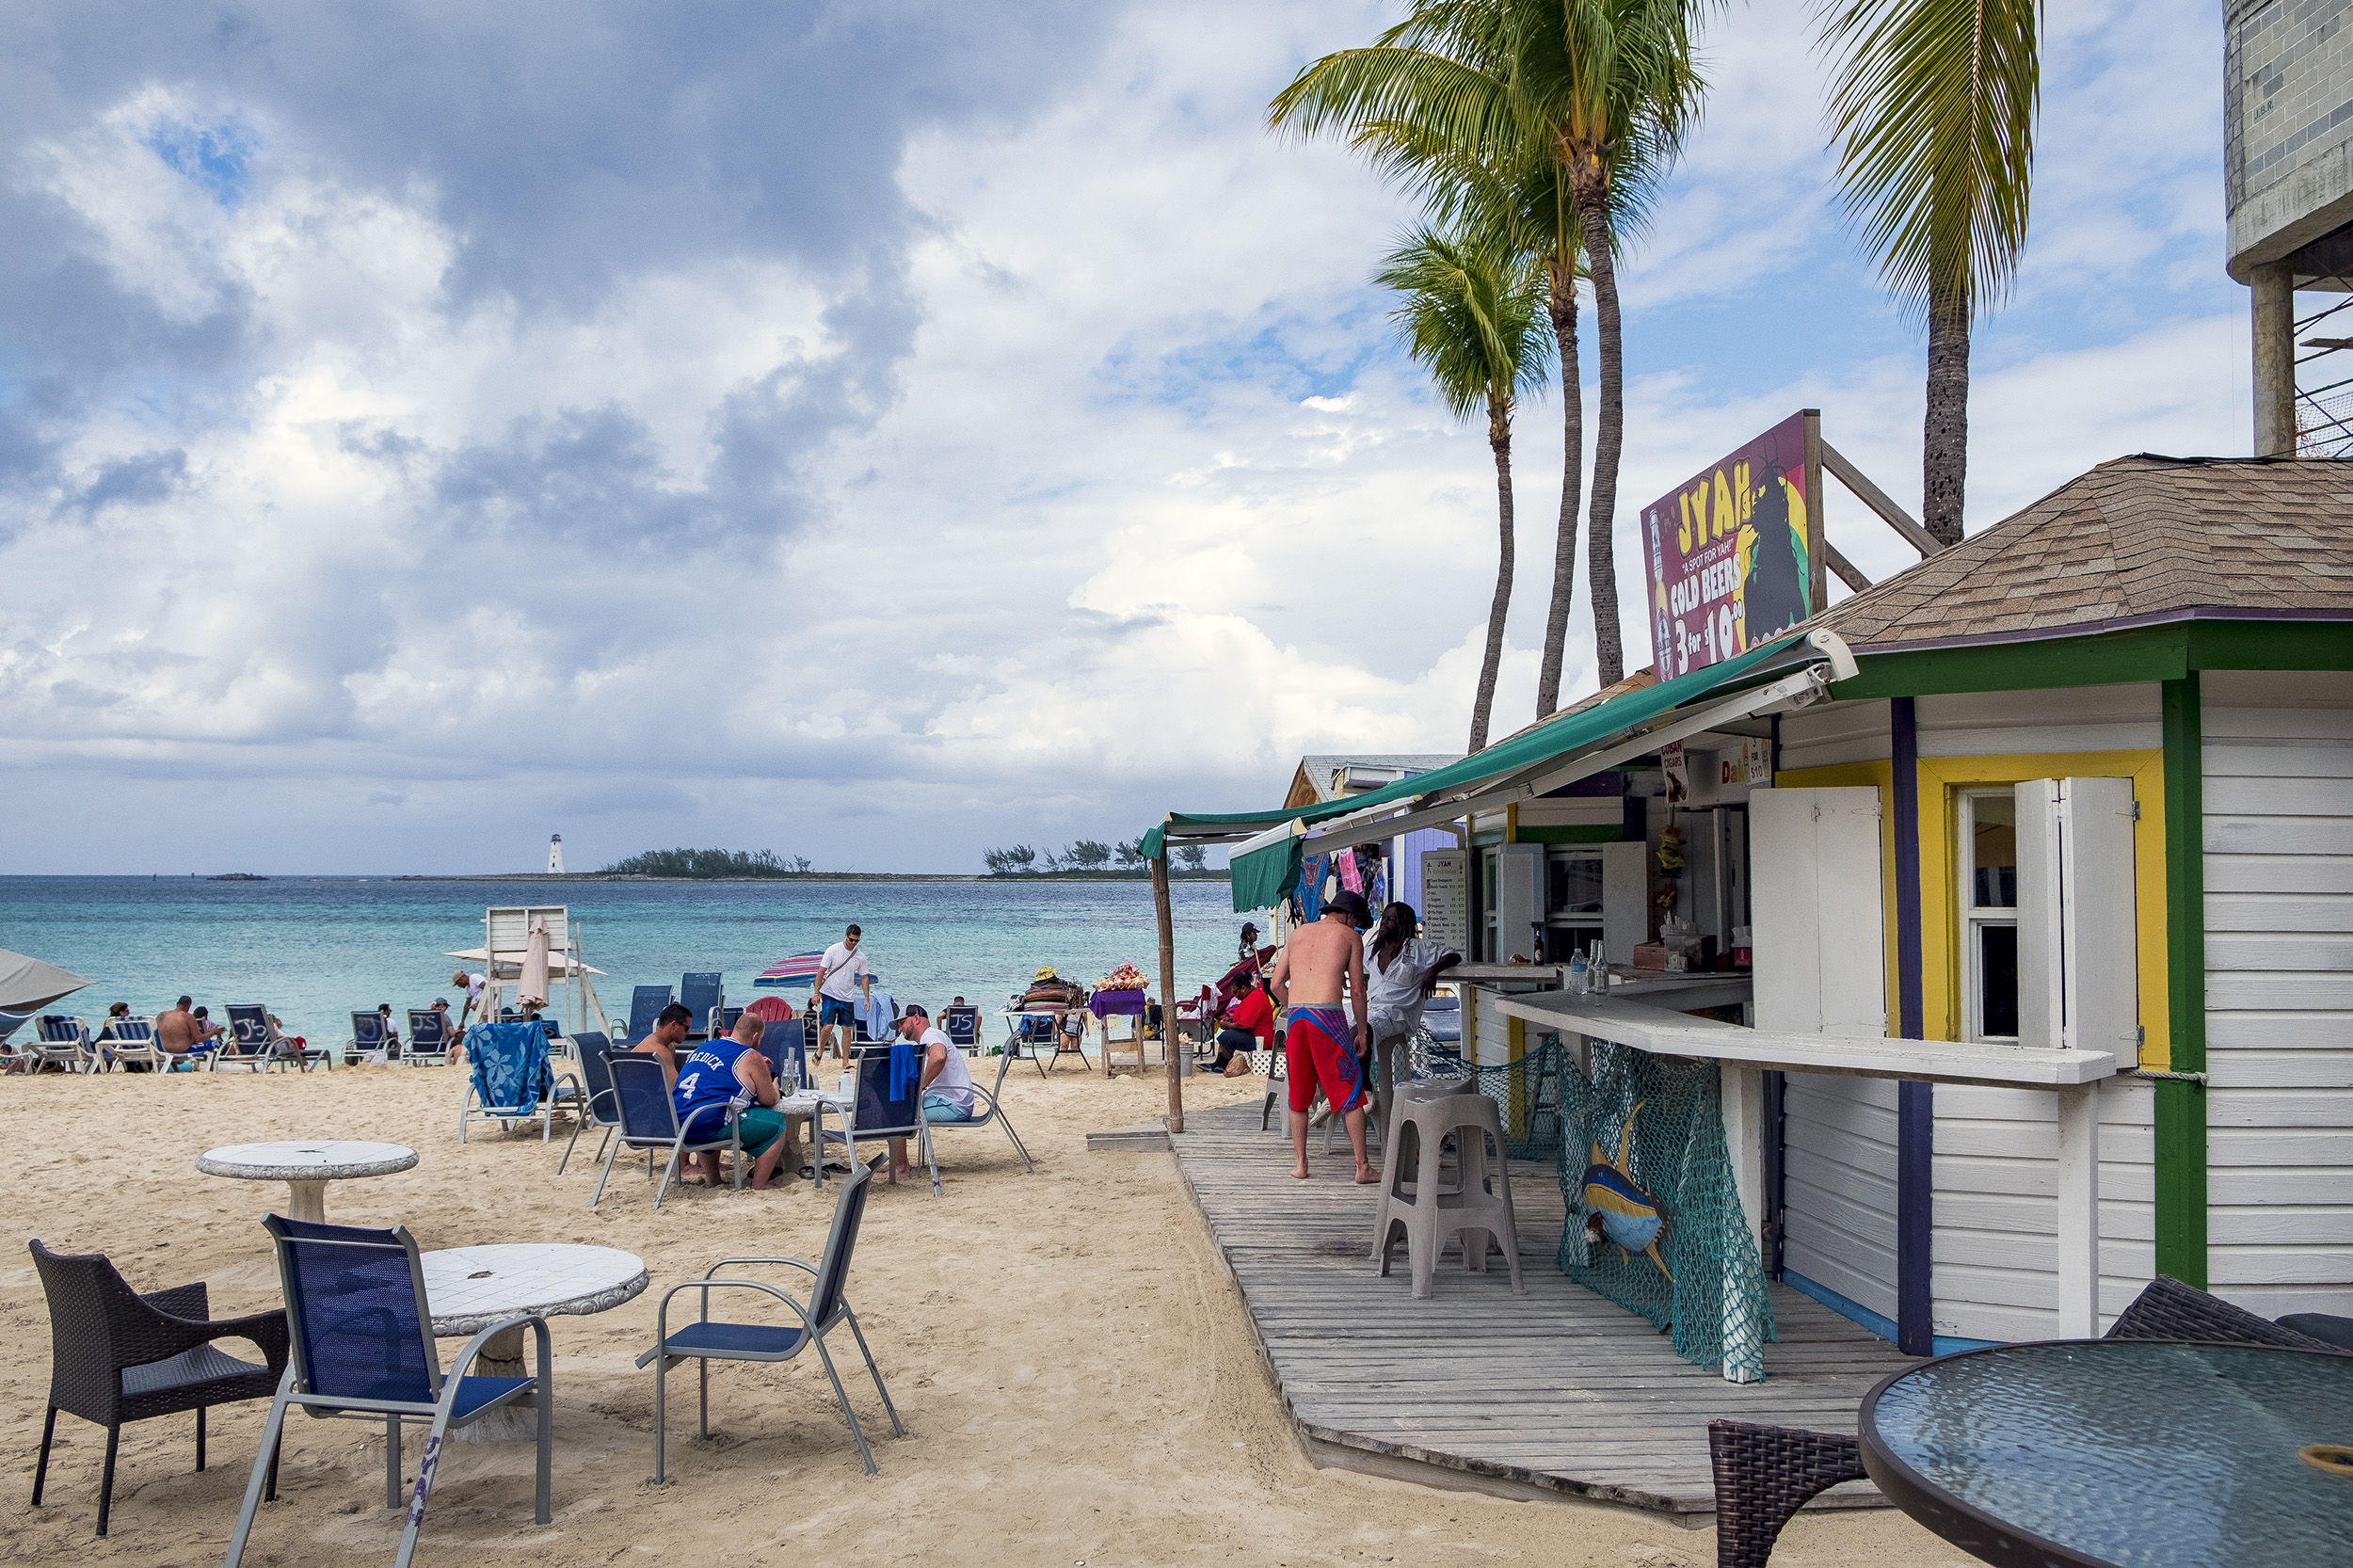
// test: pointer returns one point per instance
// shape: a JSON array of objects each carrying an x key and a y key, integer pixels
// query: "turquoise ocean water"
[{"x": 314, "y": 949}]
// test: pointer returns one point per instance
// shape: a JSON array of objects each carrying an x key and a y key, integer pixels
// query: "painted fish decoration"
[{"x": 1616, "y": 1206}]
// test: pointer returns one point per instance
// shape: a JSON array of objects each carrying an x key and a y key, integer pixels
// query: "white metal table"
[
  {"x": 814, "y": 1103},
  {"x": 306, "y": 1166},
  {"x": 468, "y": 1288}
]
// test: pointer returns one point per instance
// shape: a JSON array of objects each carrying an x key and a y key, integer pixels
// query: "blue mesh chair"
[
  {"x": 828, "y": 1308},
  {"x": 786, "y": 1050},
  {"x": 428, "y": 1036},
  {"x": 646, "y": 1003},
  {"x": 600, "y": 1108},
  {"x": 369, "y": 1033},
  {"x": 704, "y": 996},
  {"x": 511, "y": 1082},
  {"x": 649, "y": 1121},
  {"x": 889, "y": 1103},
  {"x": 962, "y": 1025},
  {"x": 362, "y": 1342},
  {"x": 62, "y": 1043}
]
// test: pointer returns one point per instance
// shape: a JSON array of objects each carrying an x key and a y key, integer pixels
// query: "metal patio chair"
[
  {"x": 778, "y": 1339},
  {"x": 362, "y": 1349},
  {"x": 649, "y": 1121}
]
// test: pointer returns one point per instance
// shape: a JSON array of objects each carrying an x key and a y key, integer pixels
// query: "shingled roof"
[{"x": 2135, "y": 541}]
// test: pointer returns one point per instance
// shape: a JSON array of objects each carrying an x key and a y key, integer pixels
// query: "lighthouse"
[{"x": 556, "y": 854}]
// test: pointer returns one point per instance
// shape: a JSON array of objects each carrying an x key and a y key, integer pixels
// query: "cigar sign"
[{"x": 1727, "y": 553}]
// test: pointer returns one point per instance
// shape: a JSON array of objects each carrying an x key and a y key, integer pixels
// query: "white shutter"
[
  {"x": 1519, "y": 901},
  {"x": 2078, "y": 982},
  {"x": 1818, "y": 930}
]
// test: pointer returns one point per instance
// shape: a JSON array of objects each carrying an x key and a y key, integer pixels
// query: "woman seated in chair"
[{"x": 1246, "y": 1025}]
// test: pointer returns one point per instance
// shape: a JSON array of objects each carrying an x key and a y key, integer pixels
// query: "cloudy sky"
[{"x": 874, "y": 431}]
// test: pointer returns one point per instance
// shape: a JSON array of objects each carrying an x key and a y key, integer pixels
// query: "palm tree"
[
  {"x": 1472, "y": 315},
  {"x": 1933, "y": 110},
  {"x": 1589, "y": 98}
]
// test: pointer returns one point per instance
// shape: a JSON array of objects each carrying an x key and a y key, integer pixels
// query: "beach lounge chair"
[
  {"x": 649, "y": 1122},
  {"x": 962, "y": 1025},
  {"x": 370, "y": 1040},
  {"x": 363, "y": 1350},
  {"x": 989, "y": 1107},
  {"x": 704, "y": 996},
  {"x": 646, "y": 1003},
  {"x": 600, "y": 1108},
  {"x": 132, "y": 1042},
  {"x": 428, "y": 1038},
  {"x": 62, "y": 1043},
  {"x": 257, "y": 1044},
  {"x": 120, "y": 1356},
  {"x": 778, "y": 1338},
  {"x": 509, "y": 1078}
]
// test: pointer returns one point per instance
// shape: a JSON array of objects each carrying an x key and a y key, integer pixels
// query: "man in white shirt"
[
  {"x": 843, "y": 979},
  {"x": 473, "y": 984},
  {"x": 944, "y": 1090},
  {"x": 1402, "y": 969}
]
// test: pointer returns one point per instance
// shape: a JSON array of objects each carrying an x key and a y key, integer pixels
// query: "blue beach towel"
[{"x": 509, "y": 1062}]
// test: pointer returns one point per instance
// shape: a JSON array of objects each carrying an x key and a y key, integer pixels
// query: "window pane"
[
  {"x": 1997, "y": 980},
  {"x": 1994, "y": 853},
  {"x": 1575, "y": 883}
]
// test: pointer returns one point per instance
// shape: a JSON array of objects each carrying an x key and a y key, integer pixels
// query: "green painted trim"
[
  {"x": 2181, "y": 1106},
  {"x": 2270, "y": 644},
  {"x": 2167, "y": 652},
  {"x": 1590, "y": 834}
]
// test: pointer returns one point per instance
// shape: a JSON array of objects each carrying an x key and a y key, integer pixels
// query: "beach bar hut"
[{"x": 2018, "y": 891}]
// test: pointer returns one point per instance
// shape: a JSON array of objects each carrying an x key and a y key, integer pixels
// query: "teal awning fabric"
[
  {"x": 1570, "y": 733},
  {"x": 1264, "y": 876}
]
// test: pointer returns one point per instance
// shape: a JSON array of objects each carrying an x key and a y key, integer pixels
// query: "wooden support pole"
[
  {"x": 1879, "y": 501},
  {"x": 1168, "y": 997},
  {"x": 1847, "y": 571},
  {"x": 1816, "y": 538}
]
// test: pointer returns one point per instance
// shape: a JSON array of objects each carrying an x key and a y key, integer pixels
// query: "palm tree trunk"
[
  {"x": 1499, "y": 437},
  {"x": 1601, "y": 576},
  {"x": 1563, "y": 306},
  {"x": 1945, "y": 434}
]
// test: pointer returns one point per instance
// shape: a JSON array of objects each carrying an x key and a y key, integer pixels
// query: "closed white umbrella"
[{"x": 532, "y": 988}]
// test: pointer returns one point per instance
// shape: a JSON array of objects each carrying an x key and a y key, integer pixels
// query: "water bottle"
[{"x": 1577, "y": 974}]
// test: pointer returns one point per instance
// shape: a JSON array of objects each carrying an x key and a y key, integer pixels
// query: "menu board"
[{"x": 1446, "y": 898}]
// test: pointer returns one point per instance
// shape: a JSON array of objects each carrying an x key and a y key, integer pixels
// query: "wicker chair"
[
  {"x": 1765, "y": 1474},
  {"x": 120, "y": 1356}
]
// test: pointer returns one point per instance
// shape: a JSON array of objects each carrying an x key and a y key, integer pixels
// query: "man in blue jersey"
[{"x": 731, "y": 1071}]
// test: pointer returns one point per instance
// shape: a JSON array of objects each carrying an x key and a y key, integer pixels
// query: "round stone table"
[
  {"x": 2121, "y": 1453},
  {"x": 306, "y": 1166},
  {"x": 468, "y": 1288}
]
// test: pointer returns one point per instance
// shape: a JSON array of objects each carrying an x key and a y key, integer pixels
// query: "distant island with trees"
[{"x": 1084, "y": 861}]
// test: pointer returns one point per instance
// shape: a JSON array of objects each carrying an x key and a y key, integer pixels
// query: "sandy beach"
[{"x": 1078, "y": 1379}]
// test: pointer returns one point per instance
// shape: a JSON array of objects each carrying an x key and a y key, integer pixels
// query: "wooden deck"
[{"x": 1555, "y": 1393}]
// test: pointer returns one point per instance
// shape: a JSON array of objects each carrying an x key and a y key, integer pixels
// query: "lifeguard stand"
[{"x": 507, "y": 936}]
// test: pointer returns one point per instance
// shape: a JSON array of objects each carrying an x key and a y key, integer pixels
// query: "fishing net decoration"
[{"x": 1716, "y": 1303}]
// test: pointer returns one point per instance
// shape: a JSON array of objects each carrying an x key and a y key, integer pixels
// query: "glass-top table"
[{"x": 2124, "y": 1455}]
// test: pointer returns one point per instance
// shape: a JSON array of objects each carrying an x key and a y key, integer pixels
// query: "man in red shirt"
[{"x": 1247, "y": 1021}]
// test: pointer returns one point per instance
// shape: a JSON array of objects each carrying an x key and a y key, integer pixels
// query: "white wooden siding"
[
  {"x": 2067, "y": 719},
  {"x": 1833, "y": 733},
  {"x": 1996, "y": 1207},
  {"x": 1573, "y": 811},
  {"x": 2279, "y": 854},
  {"x": 1838, "y": 1186}
]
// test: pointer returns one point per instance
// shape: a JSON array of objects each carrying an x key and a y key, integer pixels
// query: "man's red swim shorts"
[{"x": 1318, "y": 1050}]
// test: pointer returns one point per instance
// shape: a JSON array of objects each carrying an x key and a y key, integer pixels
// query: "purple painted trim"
[{"x": 1915, "y": 1105}]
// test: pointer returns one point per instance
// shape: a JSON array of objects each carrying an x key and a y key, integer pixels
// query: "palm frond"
[
  {"x": 1472, "y": 314},
  {"x": 1932, "y": 110}
]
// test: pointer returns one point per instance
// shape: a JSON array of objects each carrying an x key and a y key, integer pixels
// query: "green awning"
[{"x": 1570, "y": 733}]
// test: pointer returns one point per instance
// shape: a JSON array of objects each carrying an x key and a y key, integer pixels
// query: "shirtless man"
[
  {"x": 1319, "y": 1049},
  {"x": 669, "y": 1033},
  {"x": 178, "y": 1033}
]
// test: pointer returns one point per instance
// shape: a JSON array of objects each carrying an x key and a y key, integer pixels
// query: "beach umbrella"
[
  {"x": 800, "y": 968},
  {"x": 27, "y": 984},
  {"x": 533, "y": 988}
]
